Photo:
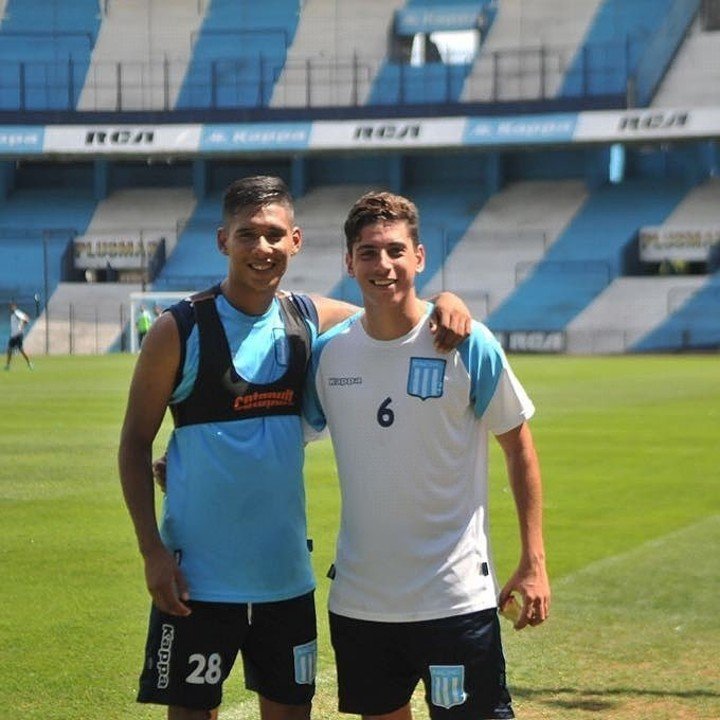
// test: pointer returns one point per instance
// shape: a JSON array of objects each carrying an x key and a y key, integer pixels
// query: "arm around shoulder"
[{"x": 332, "y": 312}]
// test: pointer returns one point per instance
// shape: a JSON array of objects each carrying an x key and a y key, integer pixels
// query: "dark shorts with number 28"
[{"x": 187, "y": 659}]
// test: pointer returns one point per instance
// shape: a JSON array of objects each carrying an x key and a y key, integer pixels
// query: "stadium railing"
[{"x": 525, "y": 74}]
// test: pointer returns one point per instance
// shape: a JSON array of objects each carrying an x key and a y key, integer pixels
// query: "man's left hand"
[{"x": 450, "y": 322}]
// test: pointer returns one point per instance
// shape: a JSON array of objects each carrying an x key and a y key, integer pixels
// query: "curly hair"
[{"x": 381, "y": 206}]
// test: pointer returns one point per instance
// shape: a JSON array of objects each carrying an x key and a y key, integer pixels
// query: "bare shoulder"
[{"x": 160, "y": 352}]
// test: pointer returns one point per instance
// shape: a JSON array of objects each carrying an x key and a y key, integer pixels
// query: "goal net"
[{"x": 154, "y": 303}]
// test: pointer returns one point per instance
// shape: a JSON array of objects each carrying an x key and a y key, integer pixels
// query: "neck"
[
  {"x": 248, "y": 302},
  {"x": 383, "y": 322}
]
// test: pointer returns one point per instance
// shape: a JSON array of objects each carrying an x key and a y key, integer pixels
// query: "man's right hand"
[
  {"x": 159, "y": 468},
  {"x": 166, "y": 582}
]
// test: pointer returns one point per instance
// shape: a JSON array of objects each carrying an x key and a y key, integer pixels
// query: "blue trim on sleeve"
[
  {"x": 312, "y": 407},
  {"x": 484, "y": 360}
]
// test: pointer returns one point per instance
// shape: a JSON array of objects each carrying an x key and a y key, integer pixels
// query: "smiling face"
[
  {"x": 259, "y": 242},
  {"x": 384, "y": 259}
]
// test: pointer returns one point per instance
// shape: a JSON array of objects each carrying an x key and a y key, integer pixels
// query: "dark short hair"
[
  {"x": 254, "y": 192},
  {"x": 378, "y": 206}
]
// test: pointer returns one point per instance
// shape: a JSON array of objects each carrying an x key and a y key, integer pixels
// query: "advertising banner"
[
  {"x": 122, "y": 139},
  {"x": 532, "y": 341},
  {"x": 122, "y": 251},
  {"x": 520, "y": 130},
  {"x": 648, "y": 124},
  {"x": 690, "y": 244},
  {"x": 21, "y": 139},
  {"x": 253, "y": 137},
  {"x": 393, "y": 133}
]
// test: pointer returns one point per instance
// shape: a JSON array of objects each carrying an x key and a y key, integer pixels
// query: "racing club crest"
[
  {"x": 447, "y": 685},
  {"x": 426, "y": 377}
]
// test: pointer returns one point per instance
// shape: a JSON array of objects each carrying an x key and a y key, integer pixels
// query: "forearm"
[
  {"x": 525, "y": 482},
  {"x": 139, "y": 493}
]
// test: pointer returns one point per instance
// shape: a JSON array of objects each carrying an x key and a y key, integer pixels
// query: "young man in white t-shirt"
[
  {"x": 18, "y": 321},
  {"x": 414, "y": 595}
]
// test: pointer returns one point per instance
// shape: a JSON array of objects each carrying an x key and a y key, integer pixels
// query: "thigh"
[
  {"x": 376, "y": 676},
  {"x": 464, "y": 673},
  {"x": 280, "y": 652},
  {"x": 188, "y": 658}
]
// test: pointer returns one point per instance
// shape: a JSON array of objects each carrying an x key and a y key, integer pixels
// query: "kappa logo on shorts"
[
  {"x": 305, "y": 663},
  {"x": 447, "y": 685},
  {"x": 164, "y": 656},
  {"x": 426, "y": 377}
]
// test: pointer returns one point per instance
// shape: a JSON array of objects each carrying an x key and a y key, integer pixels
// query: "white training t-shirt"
[
  {"x": 409, "y": 428},
  {"x": 18, "y": 320}
]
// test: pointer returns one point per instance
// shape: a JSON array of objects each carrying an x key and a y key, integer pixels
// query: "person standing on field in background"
[
  {"x": 413, "y": 594},
  {"x": 18, "y": 322},
  {"x": 229, "y": 570},
  {"x": 142, "y": 324}
]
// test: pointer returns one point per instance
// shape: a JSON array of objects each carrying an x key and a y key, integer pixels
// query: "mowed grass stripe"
[
  {"x": 605, "y": 651},
  {"x": 629, "y": 454}
]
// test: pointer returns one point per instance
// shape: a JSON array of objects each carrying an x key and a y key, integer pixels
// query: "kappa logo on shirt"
[{"x": 344, "y": 381}]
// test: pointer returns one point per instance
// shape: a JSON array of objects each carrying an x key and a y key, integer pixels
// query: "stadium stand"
[
  {"x": 625, "y": 312},
  {"x": 510, "y": 234},
  {"x": 338, "y": 47},
  {"x": 644, "y": 312},
  {"x": 437, "y": 78},
  {"x": 85, "y": 317},
  {"x": 622, "y": 39},
  {"x": 82, "y": 319},
  {"x": 693, "y": 326},
  {"x": 38, "y": 221},
  {"x": 144, "y": 210},
  {"x": 695, "y": 70},
  {"x": 587, "y": 256},
  {"x": 527, "y": 50},
  {"x": 45, "y": 48},
  {"x": 195, "y": 262},
  {"x": 239, "y": 53},
  {"x": 140, "y": 59}
]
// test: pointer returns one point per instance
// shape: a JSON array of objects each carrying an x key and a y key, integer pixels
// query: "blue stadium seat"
[
  {"x": 695, "y": 325},
  {"x": 45, "y": 49},
  {"x": 587, "y": 256},
  {"x": 239, "y": 53}
]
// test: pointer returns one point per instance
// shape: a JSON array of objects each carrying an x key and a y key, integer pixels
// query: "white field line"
[
  {"x": 655, "y": 543},
  {"x": 248, "y": 709}
]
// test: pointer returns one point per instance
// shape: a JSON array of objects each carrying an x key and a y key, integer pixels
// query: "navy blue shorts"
[
  {"x": 459, "y": 659},
  {"x": 15, "y": 343},
  {"x": 187, "y": 659}
]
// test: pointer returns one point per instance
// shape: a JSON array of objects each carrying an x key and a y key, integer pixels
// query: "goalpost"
[{"x": 154, "y": 303}]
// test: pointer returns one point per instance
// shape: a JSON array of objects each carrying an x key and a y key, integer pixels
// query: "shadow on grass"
[{"x": 601, "y": 700}]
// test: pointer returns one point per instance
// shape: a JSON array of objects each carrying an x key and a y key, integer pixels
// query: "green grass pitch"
[{"x": 629, "y": 448}]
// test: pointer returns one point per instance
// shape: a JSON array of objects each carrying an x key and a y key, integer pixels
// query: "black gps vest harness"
[{"x": 220, "y": 394}]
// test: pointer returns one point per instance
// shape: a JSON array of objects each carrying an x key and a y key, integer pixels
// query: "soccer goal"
[{"x": 154, "y": 303}]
